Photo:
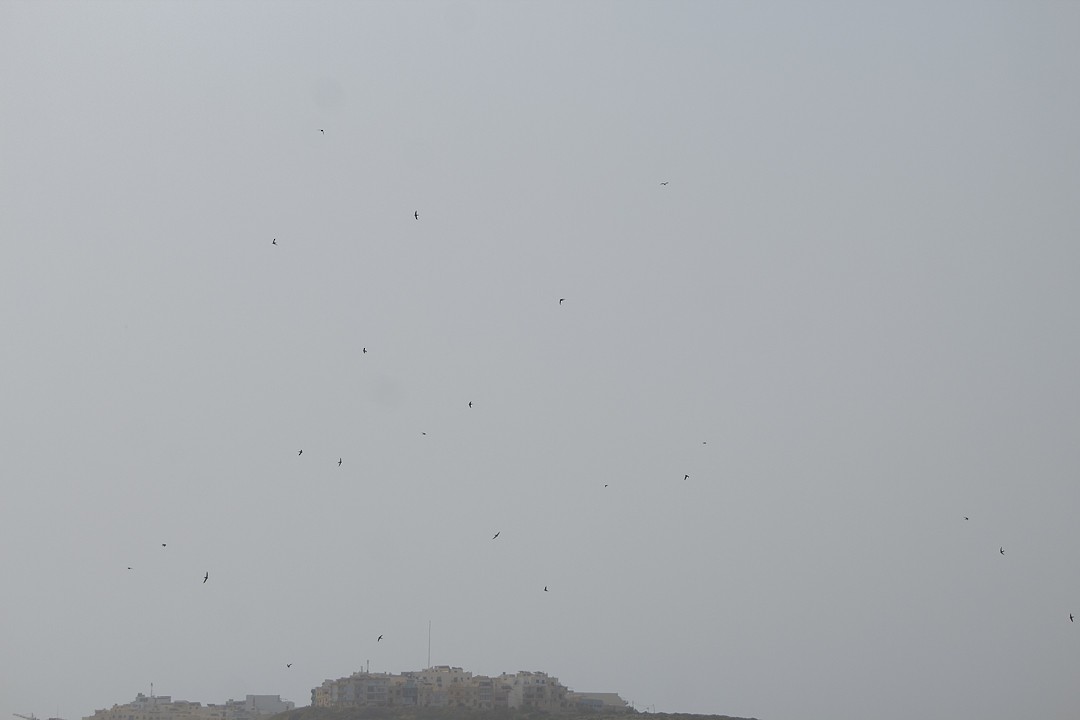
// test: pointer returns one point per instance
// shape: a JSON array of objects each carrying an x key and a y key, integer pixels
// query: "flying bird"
[
  {"x": 685, "y": 477},
  {"x": 561, "y": 300},
  {"x": 545, "y": 588},
  {"x": 129, "y": 568},
  {"x": 966, "y": 517},
  {"x": 365, "y": 351},
  {"x": 299, "y": 453},
  {"x": 665, "y": 182},
  {"x": 379, "y": 639},
  {"x": 322, "y": 131},
  {"x": 496, "y": 535},
  {"x": 206, "y": 577},
  {"x": 274, "y": 241},
  {"x": 1071, "y": 618},
  {"x": 162, "y": 544},
  {"x": 1001, "y": 550},
  {"x": 416, "y": 214},
  {"x": 288, "y": 665},
  {"x": 339, "y": 462},
  {"x": 470, "y": 403}
]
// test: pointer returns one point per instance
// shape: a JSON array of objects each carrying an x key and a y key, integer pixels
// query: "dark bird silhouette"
[
  {"x": 365, "y": 351},
  {"x": 605, "y": 484},
  {"x": 1001, "y": 550},
  {"x": 665, "y": 182},
  {"x": 1070, "y": 614},
  {"x": 545, "y": 588},
  {"x": 129, "y": 568},
  {"x": 299, "y": 453},
  {"x": 470, "y": 403},
  {"x": 561, "y": 300},
  {"x": 416, "y": 214},
  {"x": 423, "y": 433},
  {"x": 966, "y": 517},
  {"x": 339, "y": 462},
  {"x": 288, "y": 665},
  {"x": 205, "y": 578},
  {"x": 322, "y": 131},
  {"x": 162, "y": 544},
  {"x": 496, "y": 535},
  {"x": 685, "y": 477},
  {"x": 379, "y": 639},
  {"x": 274, "y": 241}
]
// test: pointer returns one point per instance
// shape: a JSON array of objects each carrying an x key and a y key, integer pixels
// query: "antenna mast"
[{"x": 429, "y": 643}]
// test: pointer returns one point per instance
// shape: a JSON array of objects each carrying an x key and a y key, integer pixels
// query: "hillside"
[{"x": 448, "y": 713}]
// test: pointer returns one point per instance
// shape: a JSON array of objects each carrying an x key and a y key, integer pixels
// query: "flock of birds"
[{"x": 562, "y": 300}]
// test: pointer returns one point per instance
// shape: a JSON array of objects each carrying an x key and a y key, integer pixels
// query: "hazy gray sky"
[{"x": 851, "y": 318}]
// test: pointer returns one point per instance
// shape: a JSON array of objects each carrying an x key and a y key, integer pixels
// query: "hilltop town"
[
  {"x": 436, "y": 693},
  {"x": 445, "y": 686},
  {"x": 441, "y": 686}
]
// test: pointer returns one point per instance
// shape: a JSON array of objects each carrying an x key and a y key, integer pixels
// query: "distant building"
[
  {"x": 598, "y": 701},
  {"x": 535, "y": 691},
  {"x": 163, "y": 707},
  {"x": 257, "y": 706}
]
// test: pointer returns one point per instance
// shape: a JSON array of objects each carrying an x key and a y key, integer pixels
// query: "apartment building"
[{"x": 535, "y": 691}]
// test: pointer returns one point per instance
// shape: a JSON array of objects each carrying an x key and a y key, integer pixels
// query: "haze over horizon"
[{"x": 734, "y": 423}]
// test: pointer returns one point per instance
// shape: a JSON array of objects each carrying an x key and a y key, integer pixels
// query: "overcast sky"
[{"x": 851, "y": 317}]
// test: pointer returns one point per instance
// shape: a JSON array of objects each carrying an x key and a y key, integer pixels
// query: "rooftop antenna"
[{"x": 429, "y": 643}]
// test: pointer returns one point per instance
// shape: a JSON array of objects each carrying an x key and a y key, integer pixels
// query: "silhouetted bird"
[
  {"x": 339, "y": 462},
  {"x": 379, "y": 639},
  {"x": 665, "y": 182},
  {"x": 685, "y": 477},
  {"x": 470, "y": 403},
  {"x": 162, "y": 544},
  {"x": 322, "y": 131},
  {"x": 966, "y": 517},
  {"x": 545, "y": 588},
  {"x": 300, "y": 453},
  {"x": 561, "y": 300},
  {"x": 496, "y": 535},
  {"x": 365, "y": 351},
  {"x": 274, "y": 241},
  {"x": 1070, "y": 614},
  {"x": 288, "y": 664},
  {"x": 205, "y": 578},
  {"x": 1001, "y": 550},
  {"x": 605, "y": 484},
  {"x": 416, "y": 214},
  {"x": 129, "y": 568}
]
